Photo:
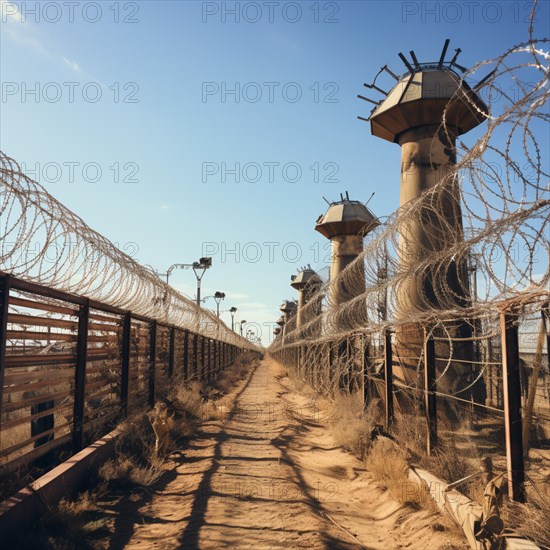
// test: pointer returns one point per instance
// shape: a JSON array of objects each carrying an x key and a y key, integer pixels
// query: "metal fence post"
[
  {"x": 216, "y": 344},
  {"x": 430, "y": 389},
  {"x": 186, "y": 355},
  {"x": 80, "y": 376},
  {"x": 203, "y": 358},
  {"x": 152, "y": 362},
  {"x": 388, "y": 378},
  {"x": 171, "y": 352},
  {"x": 512, "y": 406},
  {"x": 209, "y": 361},
  {"x": 4, "y": 307},
  {"x": 195, "y": 356},
  {"x": 125, "y": 363}
]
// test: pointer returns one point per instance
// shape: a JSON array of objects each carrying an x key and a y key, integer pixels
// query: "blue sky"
[{"x": 163, "y": 132}]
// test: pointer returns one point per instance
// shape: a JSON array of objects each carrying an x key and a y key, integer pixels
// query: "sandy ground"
[{"x": 268, "y": 475}]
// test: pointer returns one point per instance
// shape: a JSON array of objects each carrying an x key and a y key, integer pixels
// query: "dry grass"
[
  {"x": 411, "y": 431},
  {"x": 389, "y": 464},
  {"x": 351, "y": 425},
  {"x": 126, "y": 472},
  {"x": 530, "y": 520},
  {"x": 72, "y": 525}
]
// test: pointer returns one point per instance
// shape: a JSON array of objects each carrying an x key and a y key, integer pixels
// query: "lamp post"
[
  {"x": 241, "y": 326},
  {"x": 199, "y": 268},
  {"x": 233, "y": 310},
  {"x": 218, "y": 297}
]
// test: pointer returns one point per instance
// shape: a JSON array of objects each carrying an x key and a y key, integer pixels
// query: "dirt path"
[{"x": 270, "y": 476}]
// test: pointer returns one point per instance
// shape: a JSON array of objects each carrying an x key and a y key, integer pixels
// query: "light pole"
[
  {"x": 199, "y": 268},
  {"x": 241, "y": 326},
  {"x": 233, "y": 310},
  {"x": 218, "y": 297}
]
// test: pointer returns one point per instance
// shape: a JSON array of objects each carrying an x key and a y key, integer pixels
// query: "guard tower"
[
  {"x": 345, "y": 223},
  {"x": 307, "y": 283},
  {"x": 428, "y": 107},
  {"x": 287, "y": 308}
]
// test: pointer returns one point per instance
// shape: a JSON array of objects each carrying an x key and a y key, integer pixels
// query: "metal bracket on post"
[
  {"x": 388, "y": 378},
  {"x": 152, "y": 362},
  {"x": 80, "y": 376},
  {"x": 512, "y": 406},
  {"x": 430, "y": 389},
  {"x": 125, "y": 363}
]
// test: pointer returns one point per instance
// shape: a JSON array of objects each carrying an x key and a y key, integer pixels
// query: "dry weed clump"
[
  {"x": 71, "y": 525},
  {"x": 530, "y": 520},
  {"x": 125, "y": 472},
  {"x": 389, "y": 463},
  {"x": 447, "y": 463},
  {"x": 411, "y": 430},
  {"x": 352, "y": 425}
]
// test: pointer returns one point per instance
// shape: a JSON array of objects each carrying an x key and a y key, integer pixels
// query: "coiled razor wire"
[
  {"x": 503, "y": 185},
  {"x": 44, "y": 242}
]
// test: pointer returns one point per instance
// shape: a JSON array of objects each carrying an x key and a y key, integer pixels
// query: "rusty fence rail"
[{"x": 71, "y": 368}]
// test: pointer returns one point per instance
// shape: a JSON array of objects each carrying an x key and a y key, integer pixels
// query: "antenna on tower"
[
  {"x": 347, "y": 196},
  {"x": 385, "y": 68},
  {"x": 443, "y": 53},
  {"x": 373, "y": 86},
  {"x": 484, "y": 79},
  {"x": 415, "y": 61},
  {"x": 370, "y": 198},
  {"x": 369, "y": 100},
  {"x": 326, "y": 200},
  {"x": 454, "y": 63},
  {"x": 457, "y": 53},
  {"x": 405, "y": 61}
]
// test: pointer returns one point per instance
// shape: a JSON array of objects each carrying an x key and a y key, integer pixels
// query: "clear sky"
[{"x": 125, "y": 112}]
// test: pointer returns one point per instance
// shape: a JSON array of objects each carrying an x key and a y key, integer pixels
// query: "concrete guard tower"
[
  {"x": 287, "y": 308},
  {"x": 307, "y": 283},
  {"x": 345, "y": 223},
  {"x": 411, "y": 114}
]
